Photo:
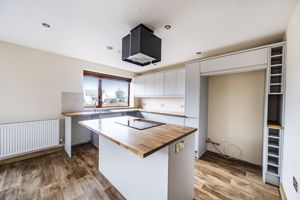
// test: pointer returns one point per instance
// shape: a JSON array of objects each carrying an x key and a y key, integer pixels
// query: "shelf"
[
  {"x": 275, "y": 88},
  {"x": 274, "y": 125},
  {"x": 275, "y": 83},
  {"x": 273, "y": 137},
  {"x": 274, "y": 132},
  {"x": 272, "y": 170},
  {"x": 277, "y": 51},
  {"x": 274, "y": 110},
  {"x": 274, "y": 142},
  {"x": 276, "y": 80},
  {"x": 274, "y": 56},
  {"x": 270, "y": 145},
  {"x": 273, "y": 161},
  {"x": 276, "y": 69},
  {"x": 273, "y": 151},
  {"x": 276, "y": 75},
  {"x": 276, "y": 65},
  {"x": 272, "y": 174},
  {"x": 272, "y": 164},
  {"x": 275, "y": 93},
  {"x": 276, "y": 61},
  {"x": 273, "y": 155}
]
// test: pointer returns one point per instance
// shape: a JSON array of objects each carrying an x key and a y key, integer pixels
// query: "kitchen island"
[{"x": 155, "y": 163}]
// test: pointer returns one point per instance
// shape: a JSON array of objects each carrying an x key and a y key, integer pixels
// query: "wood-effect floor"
[{"x": 55, "y": 176}]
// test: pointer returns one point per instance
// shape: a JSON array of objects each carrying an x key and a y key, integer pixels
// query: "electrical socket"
[
  {"x": 179, "y": 146},
  {"x": 295, "y": 183}
]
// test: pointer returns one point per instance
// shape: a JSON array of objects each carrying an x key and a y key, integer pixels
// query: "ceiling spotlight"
[
  {"x": 167, "y": 27},
  {"x": 109, "y": 48},
  {"x": 46, "y": 25},
  {"x": 199, "y": 52}
]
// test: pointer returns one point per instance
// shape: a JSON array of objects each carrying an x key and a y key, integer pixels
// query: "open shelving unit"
[{"x": 275, "y": 110}]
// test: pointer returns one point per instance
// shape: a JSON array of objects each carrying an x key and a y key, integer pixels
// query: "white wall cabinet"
[
  {"x": 180, "y": 82},
  {"x": 149, "y": 85},
  {"x": 235, "y": 62},
  {"x": 140, "y": 86},
  {"x": 169, "y": 83},
  {"x": 192, "y": 90},
  {"x": 159, "y": 84}
]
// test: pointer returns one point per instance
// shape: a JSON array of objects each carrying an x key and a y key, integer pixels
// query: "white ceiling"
[{"x": 84, "y": 28}]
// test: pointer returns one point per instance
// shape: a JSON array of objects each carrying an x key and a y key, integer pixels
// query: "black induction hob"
[{"x": 139, "y": 124}]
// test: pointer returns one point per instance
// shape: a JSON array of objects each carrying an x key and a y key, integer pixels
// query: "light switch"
[{"x": 179, "y": 146}]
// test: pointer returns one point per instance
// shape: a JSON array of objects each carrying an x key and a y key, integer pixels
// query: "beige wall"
[
  {"x": 235, "y": 114},
  {"x": 31, "y": 82},
  {"x": 291, "y": 147}
]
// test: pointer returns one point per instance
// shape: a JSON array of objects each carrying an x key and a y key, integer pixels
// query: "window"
[{"x": 105, "y": 90}]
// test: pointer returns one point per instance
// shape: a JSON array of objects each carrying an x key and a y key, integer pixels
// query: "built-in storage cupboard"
[
  {"x": 275, "y": 114},
  {"x": 168, "y": 83},
  {"x": 257, "y": 58},
  {"x": 270, "y": 58}
]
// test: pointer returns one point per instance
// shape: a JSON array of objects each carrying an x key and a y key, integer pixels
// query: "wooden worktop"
[
  {"x": 141, "y": 142},
  {"x": 80, "y": 113}
]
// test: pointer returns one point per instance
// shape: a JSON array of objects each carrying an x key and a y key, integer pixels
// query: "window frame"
[{"x": 101, "y": 76}]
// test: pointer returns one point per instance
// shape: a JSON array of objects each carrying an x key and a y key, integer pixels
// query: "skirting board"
[
  {"x": 31, "y": 155},
  {"x": 282, "y": 192}
]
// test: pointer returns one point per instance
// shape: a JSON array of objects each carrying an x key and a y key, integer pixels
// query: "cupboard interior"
[{"x": 274, "y": 109}]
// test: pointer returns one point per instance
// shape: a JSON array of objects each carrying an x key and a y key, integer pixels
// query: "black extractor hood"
[{"x": 141, "y": 46}]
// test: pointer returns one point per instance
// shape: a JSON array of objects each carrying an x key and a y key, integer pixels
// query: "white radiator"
[{"x": 19, "y": 138}]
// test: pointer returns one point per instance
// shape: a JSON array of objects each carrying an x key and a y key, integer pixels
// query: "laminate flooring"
[{"x": 55, "y": 176}]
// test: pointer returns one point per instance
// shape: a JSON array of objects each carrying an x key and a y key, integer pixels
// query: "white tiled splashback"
[
  {"x": 163, "y": 104},
  {"x": 71, "y": 101}
]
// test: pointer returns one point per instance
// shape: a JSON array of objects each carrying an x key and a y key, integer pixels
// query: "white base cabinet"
[
  {"x": 169, "y": 175},
  {"x": 164, "y": 118},
  {"x": 194, "y": 123}
]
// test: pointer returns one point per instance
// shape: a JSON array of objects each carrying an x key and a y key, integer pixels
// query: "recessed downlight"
[
  {"x": 46, "y": 25},
  {"x": 168, "y": 27},
  {"x": 109, "y": 48}
]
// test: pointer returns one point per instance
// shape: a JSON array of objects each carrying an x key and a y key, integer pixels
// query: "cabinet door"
[
  {"x": 150, "y": 85},
  {"x": 166, "y": 119},
  {"x": 192, "y": 85},
  {"x": 194, "y": 123},
  {"x": 139, "y": 86},
  {"x": 249, "y": 59},
  {"x": 159, "y": 84},
  {"x": 170, "y": 83},
  {"x": 180, "y": 83}
]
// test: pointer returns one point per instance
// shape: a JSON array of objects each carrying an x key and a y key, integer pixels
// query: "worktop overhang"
[{"x": 141, "y": 142}]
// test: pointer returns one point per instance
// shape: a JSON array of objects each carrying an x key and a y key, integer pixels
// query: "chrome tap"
[{"x": 95, "y": 108}]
